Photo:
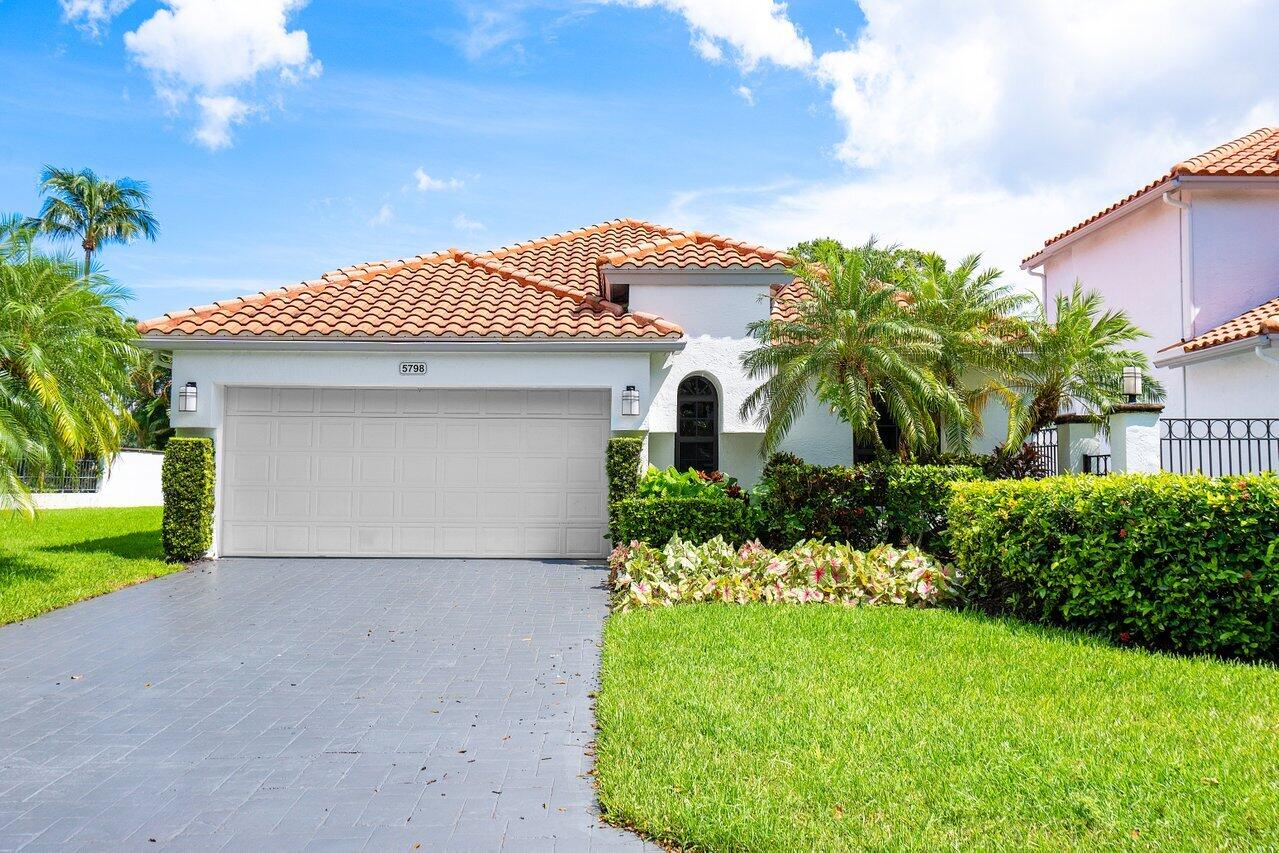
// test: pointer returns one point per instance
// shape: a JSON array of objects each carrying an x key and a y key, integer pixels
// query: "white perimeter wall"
[{"x": 133, "y": 480}]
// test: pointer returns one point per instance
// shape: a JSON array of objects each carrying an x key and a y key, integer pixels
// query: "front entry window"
[{"x": 697, "y": 426}]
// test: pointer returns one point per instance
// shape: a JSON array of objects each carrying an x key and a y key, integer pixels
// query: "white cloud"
[
  {"x": 425, "y": 183},
  {"x": 755, "y": 30},
  {"x": 92, "y": 16},
  {"x": 462, "y": 222},
  {"x": 384, "y": 216},
  {"x": 989, "y": 126},
  {"x": 745, "y": 93},
  {"x": 218, "y": 113},
  {"x": 218, "y": 50}
]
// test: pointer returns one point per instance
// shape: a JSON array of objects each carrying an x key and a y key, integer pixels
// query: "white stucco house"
[
  {"x": 1193, "y": 258},
  {"x": 459, "y": 404}
]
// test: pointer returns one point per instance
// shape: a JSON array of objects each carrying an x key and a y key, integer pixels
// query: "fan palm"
[
  {"x": 1075, "y": 362},
  {"x": 853, "y": 345},
  {"x": 978, "y": 321},
  {"x": 66, "y": 356},
  {"x": 94, "y": 211}
]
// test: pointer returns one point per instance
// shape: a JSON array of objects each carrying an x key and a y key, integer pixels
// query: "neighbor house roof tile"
[
  {"x": 548, "y": 287},
  {"x": 1255, "y": 155},
  {"x": 1262, "y": 320}
]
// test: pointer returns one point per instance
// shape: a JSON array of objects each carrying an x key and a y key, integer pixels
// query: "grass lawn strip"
[
  {"x": 814, "y": 727},
  {"x": 67, "y": 555}
]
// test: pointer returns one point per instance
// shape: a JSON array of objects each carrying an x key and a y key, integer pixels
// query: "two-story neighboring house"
[
  {"x": 458, "y": 404},
  {"x": 1193, "y": 258}
]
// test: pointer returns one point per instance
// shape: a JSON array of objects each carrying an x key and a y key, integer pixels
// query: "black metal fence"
[
  {"x": 1219, "y": 446},
  {"x": 1045, "y": 443},
  {"x": 85, "y": 476},
  {"x": 1096, "y": 463}
]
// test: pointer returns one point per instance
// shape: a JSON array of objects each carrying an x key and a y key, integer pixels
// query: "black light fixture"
[
  {"x": 630, "y": 401},
  {"x": 1132, "y": 383},
  {"x": 188, "y": 398}
]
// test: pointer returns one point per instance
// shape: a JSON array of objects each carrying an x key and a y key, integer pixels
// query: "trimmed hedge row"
[
  {"x": 1177, "y": 563},
  {"x": 186, "y": 478},
  {"x": 657, "y": 520}
]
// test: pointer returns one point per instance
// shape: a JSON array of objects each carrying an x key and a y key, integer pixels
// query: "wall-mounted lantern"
[
  {"x": 188, "y": 398},
  {"x": 630, "y": 401},
  {"x": 1132, "y": 383}
]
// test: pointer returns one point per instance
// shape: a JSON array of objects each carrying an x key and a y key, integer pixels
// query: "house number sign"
[{"x": 412, "y": 368}]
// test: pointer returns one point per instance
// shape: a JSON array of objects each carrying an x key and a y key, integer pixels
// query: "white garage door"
[{"x": 467, "y": 473}]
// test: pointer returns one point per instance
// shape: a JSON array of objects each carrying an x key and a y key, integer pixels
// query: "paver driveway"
[{"x": 307, "y": 703}]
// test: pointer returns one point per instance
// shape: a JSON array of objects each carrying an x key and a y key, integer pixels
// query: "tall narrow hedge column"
[
  {"x": 1076, "y": 437},
  {"x": 187, "y": 482},
  {"x": 1134, "y": 438}
]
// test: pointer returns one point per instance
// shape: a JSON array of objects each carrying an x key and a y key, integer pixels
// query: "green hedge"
[
  {"x": 622, "y": 466},
  {"x": 1179, "y": 563},
  {"x": 656, "y": 520},
  {"x": 864, "y": 505},
  {"x": 915, "y": 502},
  {"x": 187, "y": 480}
]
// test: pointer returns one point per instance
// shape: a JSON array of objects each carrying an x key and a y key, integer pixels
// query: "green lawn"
[
  {"x": 66, "y": 555},
  {"x": 796, "y": 728}
]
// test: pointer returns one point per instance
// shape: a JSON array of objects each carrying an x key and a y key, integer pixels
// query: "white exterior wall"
[
  {"x": 1234, "y": 386},
  {"x": 132, "y": 480},
  {"x": 716, "y": 317}
]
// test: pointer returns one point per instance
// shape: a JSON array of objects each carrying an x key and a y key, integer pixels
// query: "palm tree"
[
  {"x": 1075, "y": 362},
  {"x": 17, "y": 237},
  {"x": 66, "y": 357},
  {"x": 978, "y": 320},
  {"x": 94, "y": 211},
  {"x": 853, "y": 345}
]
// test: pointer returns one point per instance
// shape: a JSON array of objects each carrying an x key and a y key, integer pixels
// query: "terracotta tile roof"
[
  {"x": 1253, "y": 155},
  {"x": 707, "y": 251},
  {"x": 1262, "y": 320},
  {"x": 450, "y": 295},
  {"x": 548, "y": 287}
]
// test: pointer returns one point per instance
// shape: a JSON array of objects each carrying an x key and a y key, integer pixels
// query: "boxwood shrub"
[
  {"x": 186, "y": 479},
  {"x": 1177, "y": 563},
  {"x": 655, "y": 520}
]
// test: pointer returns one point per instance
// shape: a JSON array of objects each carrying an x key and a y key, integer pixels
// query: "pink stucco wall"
[{"x": 1135, "y": 263}]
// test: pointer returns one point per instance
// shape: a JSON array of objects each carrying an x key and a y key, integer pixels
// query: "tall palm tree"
[
  {"x": 1075, "y": 362},
  {"x": 852, "y": 344},
  {"x": 94, "y": 211},
  {"x": 66, "y": 357},
  {"x": 978, "y": 320}
]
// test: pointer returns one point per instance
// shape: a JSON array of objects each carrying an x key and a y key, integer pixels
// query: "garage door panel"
[
  {"x": 415, "y": 472},
  {"x": 418, "y": 505},
  {"x": 377, "y": 435},
  {"x": 291, "y": 469},
  {"x": 334, "y": 506},
  {"x": 296, "y": 400},
  {"x": 294, "y": 434},
  {"x": 336, "y": 434},
  {"x": 421, "y": 435}
]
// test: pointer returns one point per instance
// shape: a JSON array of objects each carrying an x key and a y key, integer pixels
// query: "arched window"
[{"x": 697, "y": 426}]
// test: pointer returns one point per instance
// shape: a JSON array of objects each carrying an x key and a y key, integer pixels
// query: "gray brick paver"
[{"x": 309, "y": 704}]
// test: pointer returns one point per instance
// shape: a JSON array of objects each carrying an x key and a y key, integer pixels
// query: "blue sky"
[{"x": 769, "y": 122}]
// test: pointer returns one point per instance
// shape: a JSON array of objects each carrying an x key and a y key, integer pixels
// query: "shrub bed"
[
  {"x": 811, "y": 572},
  {"x": 862, "y": 505},
  {"x": 1179, "y": 563},
  {"x": 186, "y": 479}
]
